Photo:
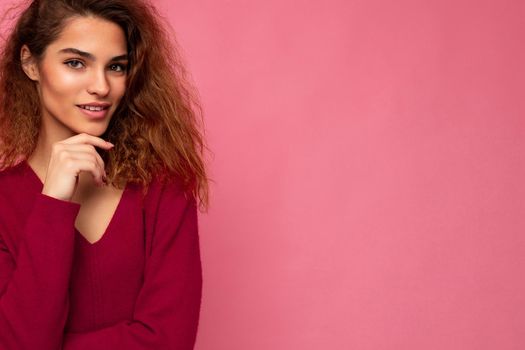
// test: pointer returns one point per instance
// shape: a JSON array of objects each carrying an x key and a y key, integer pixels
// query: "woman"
[{"x": 102, "y": 168}]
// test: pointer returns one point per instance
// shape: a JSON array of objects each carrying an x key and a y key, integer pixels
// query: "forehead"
[{"x": 98, "y": 36}]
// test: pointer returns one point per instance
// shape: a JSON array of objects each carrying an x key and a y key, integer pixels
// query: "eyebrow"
[{"x": 90, "y": 56}]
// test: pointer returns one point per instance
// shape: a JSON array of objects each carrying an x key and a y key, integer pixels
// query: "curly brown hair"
[{"x": 157, "y": 128}]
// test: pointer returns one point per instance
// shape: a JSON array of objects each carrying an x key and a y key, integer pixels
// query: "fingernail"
[{"x": 109, "y": 143}]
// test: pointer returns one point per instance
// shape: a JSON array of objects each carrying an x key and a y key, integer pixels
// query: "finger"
[
  {"x": 88, "y": 162},
  {"x": 80, "y": 147},
  {"x": 94, "y": 170},
  {"x": 72, "y": 152},
  {"x": 85, "y": 152},
  {"x": 83, "y": 148},
  {"x": 89, "y": 139}
]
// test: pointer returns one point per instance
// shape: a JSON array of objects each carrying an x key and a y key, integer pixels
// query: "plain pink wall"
[{"x": 368, "y": 166}]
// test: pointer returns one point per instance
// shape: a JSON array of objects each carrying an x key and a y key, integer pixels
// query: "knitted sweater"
[{"x": 138, "y": 287}]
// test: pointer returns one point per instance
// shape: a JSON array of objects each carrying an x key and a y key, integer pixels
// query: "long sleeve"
[
  {"x": 34, "y": 279},
  {"x": 167, "y": 309}
]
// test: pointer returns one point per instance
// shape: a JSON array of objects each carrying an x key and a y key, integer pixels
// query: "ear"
[{"x": 28, "y": 63}]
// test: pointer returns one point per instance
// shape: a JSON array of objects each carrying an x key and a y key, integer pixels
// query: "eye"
[
  {"x": 117, "y": 67},
  {"x": 74, "y": 64}
]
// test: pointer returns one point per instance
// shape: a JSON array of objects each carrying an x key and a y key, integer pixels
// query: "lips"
[
  {"x": 94, "y": 106},
  {"x": 91, "y": 108},
  {"x": 95, "y": 110}
]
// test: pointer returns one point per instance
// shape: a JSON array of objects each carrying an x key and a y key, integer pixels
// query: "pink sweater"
[{"x": 138, "y": 287}]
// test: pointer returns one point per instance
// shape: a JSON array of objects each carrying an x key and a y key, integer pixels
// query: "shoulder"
[
  {"x": 10, "y": 180},
  {"x": 13, "y": 195},
  {"x": 166, "y": 205},
  {"x": 11, "y": 171},
  {"x": 167, "y": 193}
]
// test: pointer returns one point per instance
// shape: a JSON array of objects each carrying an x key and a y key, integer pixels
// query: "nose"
[{"x": 99, "y": 84}]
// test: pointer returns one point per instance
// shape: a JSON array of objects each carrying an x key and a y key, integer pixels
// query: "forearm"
[{"x": 34, "y": 299}]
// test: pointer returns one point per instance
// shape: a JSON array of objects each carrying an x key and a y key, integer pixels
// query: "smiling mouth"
[
  {"x": 95, "y": 112},
  {"x": 93, "y": 108}
]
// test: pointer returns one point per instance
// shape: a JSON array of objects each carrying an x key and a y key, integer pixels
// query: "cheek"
[
  {"x": 58, "y": 88},
  {"x": 118, "y": 88}
]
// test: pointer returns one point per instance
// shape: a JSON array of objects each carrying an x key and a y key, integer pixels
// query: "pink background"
[{"x": 368, "y": 166}]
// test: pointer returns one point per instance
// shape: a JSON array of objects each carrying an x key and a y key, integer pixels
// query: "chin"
[{"x": 95, "y": 130}]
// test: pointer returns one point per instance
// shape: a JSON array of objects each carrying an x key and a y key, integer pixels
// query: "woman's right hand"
[{"x": 68, "y": 158}]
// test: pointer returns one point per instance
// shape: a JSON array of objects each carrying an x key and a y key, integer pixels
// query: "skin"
[
  {"x": 65, "y": 80},
  {"x": 67, "y": 138}
]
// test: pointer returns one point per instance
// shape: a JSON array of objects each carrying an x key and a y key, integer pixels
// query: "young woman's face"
[{"x": 86, "y": 65}]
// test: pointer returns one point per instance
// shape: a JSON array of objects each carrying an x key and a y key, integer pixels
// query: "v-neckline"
[
  {"x": 116, "y": 213},
  {"x": 114, "y": 217}
]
